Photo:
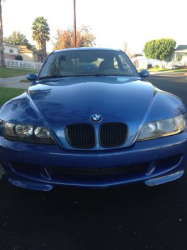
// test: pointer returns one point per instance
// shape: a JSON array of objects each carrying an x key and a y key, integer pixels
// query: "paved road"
[
  {"x": 14, "y": 82},
  {"x": 174, "y": 83},
  {"x": 130, "y": 217}
]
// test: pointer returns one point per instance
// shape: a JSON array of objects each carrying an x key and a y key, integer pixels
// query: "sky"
[{"x": 112, "y": 22}]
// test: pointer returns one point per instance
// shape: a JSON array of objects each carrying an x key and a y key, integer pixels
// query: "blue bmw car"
[{"x": 90, "y": 119}]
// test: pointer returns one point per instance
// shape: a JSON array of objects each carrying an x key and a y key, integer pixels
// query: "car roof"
[{"x": 84, "y": 48}]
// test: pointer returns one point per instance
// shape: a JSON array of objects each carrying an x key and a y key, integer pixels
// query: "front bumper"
[{"x": 41, "y": 167}]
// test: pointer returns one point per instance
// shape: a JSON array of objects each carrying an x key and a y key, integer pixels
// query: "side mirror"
[
  {"x": 144, "y": 73},
  {"x": 31, "y": 77}
]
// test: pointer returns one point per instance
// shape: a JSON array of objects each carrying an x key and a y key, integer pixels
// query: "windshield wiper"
[
  {"x": 52, "y": 76},
  {"x": 100, "y": 74},
  {"x": 81, "y": 75}
]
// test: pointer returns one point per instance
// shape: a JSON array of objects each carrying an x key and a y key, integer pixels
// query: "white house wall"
[
  {"x": 142, "y": 62},
  {"x": 10, "y": 50}
]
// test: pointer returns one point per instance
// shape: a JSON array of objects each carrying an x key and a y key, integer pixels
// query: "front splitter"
[{"x": 164, "y": 179}]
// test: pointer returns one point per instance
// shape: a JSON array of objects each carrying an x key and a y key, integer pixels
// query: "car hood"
[
  {"x": 74, "y": 100},
  {"x": 57, "y": 103}
]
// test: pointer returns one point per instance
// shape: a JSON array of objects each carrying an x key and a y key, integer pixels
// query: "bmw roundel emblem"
[{"x": 96, "y": 118}]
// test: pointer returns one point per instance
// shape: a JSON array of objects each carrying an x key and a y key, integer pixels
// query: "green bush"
[
  {"x": 149, "y": 66},
  {"x": 19, "y": 58},
  {"x": 157, "y": 67}
]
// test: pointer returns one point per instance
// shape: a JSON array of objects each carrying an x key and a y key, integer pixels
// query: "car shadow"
[{"x": 75, "y": 218}]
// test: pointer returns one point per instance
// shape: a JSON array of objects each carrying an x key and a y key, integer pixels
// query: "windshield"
[{"x": 86, "y": 63}]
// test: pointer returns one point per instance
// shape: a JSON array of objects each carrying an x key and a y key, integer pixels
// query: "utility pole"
[
  {"x": 125, "y": 47},
  {"x": 75, "y": 30},
  {"x": 2, "y": 58}
]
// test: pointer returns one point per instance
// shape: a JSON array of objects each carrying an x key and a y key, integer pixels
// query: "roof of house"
[
  {"x": 24, "y": 49},
  {"x": 181, "y": 47},
  {"x": 11, "y": 45}
]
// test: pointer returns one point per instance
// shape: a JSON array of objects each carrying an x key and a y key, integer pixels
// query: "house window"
[
  {"x": 11, "y": 51},
  {"x": 179, "y": 57}
]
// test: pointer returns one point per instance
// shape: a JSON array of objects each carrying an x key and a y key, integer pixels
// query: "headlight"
[
  {"x": 163, "y": 128},
  {"x": 27, "y": 133}
]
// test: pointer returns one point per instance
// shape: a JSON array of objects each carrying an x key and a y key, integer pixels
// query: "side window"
[
  {"x": 115, "y": 63},
  {"x": 125, "y": 65}
]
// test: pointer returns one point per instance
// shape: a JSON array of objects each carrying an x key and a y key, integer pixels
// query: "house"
[
  {"x": 28, "y": 55},
  {"x": 141, "y": 62},
  {"x": 180, "y": 55},
  {"x": 10, "y": 51},
  {"x": 179, "y": 58}
]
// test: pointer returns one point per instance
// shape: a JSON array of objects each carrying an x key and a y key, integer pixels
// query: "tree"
[
  {"x": 1, "y": 39},
  {"x": 17, "y": 38},
  {"x": 41, "y": 32},
  {"x": 159, "y": 49},
  {"x": 65, "y": 39}
]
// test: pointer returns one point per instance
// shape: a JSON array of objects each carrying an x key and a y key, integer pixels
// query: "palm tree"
[
  {"x": 1, "y": 39},
  {"x": 40, "y": 34}
]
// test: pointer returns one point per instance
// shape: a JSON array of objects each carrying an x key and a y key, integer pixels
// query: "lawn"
[
  {"x": 8, "y": 93},
  {"x": 165, "y": 70},
  {"x": 4, "y": 73}
]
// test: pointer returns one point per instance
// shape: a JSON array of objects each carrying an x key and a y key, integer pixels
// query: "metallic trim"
[{"x": 92, "y": 119}]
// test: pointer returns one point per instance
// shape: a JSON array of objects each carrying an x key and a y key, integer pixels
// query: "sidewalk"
[
  {"x": 14, "y": 82},
  {"x": 169, "y": 73}
]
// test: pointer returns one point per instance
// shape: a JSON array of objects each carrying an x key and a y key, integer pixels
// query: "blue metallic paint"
[
  {"x": 31, "y": 77},
  {"x": 43, "y": 157},
  {"x": 164, "y": 179},
  {"x": 144, "y": 73},
  {"x": 55, "y": 103}
]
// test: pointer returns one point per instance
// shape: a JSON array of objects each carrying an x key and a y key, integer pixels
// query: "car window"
[
  {"x": 87, "y": 62},
  {"x": 125, "y": 65},
  {"x": 86, "y": 67},
  {"x": 115, "y": 63}
]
